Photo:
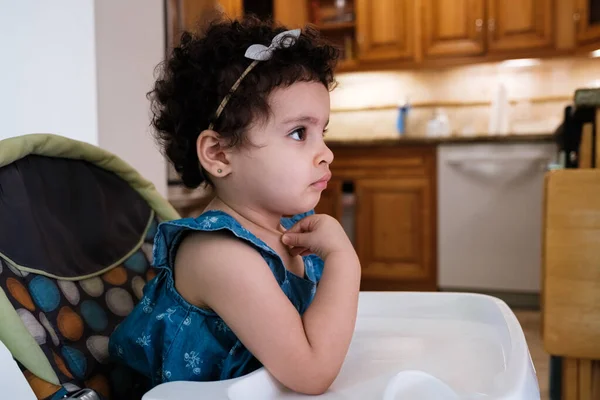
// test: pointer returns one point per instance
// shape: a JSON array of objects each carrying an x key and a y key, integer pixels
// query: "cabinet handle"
[
  {"x": 492, "y": 25},
  {"x": 478, "y": 24},
  {"x": 360, "y": 38},
  {"x": 577, "y": 18}
]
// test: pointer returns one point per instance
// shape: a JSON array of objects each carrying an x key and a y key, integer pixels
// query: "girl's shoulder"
[{"x": 170, "y": 233}]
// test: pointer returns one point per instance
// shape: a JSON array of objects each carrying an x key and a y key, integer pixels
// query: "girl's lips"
[{"x": 322, "y": 183}]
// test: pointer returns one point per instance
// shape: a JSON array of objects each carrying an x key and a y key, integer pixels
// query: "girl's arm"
[{"x": 303, "y": 353}]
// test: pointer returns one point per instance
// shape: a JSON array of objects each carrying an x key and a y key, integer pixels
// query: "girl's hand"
[{"x": 320, "y": 234}]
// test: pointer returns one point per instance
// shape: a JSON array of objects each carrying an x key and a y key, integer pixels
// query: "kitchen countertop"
[{"x": 408, "y": 140}]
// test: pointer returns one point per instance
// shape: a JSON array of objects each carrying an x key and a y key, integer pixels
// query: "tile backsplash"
[{"x": 363, "y": 104}]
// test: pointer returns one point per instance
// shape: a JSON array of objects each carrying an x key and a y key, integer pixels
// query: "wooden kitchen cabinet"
[
  {"x": 293, "y": 14},
  {"x": 519, "y": 24},
  {"x": 187, "y": 15},
  {"x": 184, "y": 15},
  {"x": 453, "y": 27},
  {"x": 587, "y": 19},
  {"x": 393, "y": 213},
  {"x": 477, "y": 27},
  {"x": 231, "y": 8},
  {"x": 396, "y": 34},
  {"x": 365, "y": 31},
  {"x": 394, "y": 232},
  {"x": 385, "y": 29},
  {"x": 368, "y": 33}
]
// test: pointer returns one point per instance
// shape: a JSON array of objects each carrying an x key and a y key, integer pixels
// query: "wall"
[
  {"x": 129, "y": 43},
  {"x": 81, "y": 69},
  {"x": 464, "y": 92},
  {"x": 48, "y": 68}
]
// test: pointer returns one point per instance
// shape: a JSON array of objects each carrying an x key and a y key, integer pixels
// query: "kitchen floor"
[{"x": 531, "y": 323}]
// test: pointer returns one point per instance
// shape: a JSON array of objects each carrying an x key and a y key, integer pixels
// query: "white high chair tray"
[{"x": 408, "y": 346}]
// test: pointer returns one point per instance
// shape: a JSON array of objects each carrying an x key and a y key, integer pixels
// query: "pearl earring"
[{"x": 219, "y": 170}]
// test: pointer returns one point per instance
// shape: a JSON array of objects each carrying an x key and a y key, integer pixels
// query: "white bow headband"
[{"x": 258, "y": 52}]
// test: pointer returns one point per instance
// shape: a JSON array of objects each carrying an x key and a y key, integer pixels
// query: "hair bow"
[{"x": 260, "y": 52}]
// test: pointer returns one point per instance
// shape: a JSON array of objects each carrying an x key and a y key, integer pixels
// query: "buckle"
[{"x": 83, "y": 394}]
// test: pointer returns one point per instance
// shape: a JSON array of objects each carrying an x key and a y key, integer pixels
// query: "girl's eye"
[
  {"x": 298, "y": 134},
  {"x": 325, "y": 131}
]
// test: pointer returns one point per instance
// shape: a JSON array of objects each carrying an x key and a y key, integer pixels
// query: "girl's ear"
[{"x": 213, "y": 154}]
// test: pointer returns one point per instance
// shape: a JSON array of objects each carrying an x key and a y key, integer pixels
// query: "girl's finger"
[{"x": 294, "y": 251}]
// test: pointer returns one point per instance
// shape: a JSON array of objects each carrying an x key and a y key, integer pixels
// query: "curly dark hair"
[{"x": 201, "y": 71}]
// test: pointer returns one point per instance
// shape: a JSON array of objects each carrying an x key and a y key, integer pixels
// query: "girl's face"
[{"x": 286, "y": 167}]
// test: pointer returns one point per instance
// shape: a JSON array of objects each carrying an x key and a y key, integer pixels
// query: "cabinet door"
[
  {"x": 395, "y": 230},
  {"x": 232, "y": 8},
  {"x": 184, "y": 15},
  {"x": 519, "y": 24},
  {"x": 587, "y": 17},
  {"x": 331, "y": 200},
  {"x": 190, "y": 14},
  {"x": 453, "y": 27},
  {"x": 385, "y": 29},
  {"x": 292, "y": 14}
]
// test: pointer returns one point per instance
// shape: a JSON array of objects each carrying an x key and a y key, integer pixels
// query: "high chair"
[
  {"x": 76, "y": 232},
  {"x": 571, "y": 272},
  {"x": 409, "y": 346},
  {"x": 571, "y": 279},
  {"x": 76, "y": 229}
]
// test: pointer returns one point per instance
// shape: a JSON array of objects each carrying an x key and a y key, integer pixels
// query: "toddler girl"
[{"x": 243, "y": 108}]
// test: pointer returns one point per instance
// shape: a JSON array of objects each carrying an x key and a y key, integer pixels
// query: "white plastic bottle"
[{"x": 499, "y": 112}]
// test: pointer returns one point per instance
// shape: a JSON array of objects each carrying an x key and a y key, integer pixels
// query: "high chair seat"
[{"x": 76, "y": 233}]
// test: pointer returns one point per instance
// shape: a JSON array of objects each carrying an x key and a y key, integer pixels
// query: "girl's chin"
[{"x": 300, "y": 207}]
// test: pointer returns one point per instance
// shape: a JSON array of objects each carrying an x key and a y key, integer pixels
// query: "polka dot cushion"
[{"x": 72, "y": 320}]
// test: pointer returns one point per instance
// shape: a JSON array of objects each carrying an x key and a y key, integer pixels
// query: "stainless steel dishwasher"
[{"x": 490, "y": 215}]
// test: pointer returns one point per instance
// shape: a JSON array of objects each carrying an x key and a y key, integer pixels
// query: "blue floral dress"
[{"x": 165, "y": 338}]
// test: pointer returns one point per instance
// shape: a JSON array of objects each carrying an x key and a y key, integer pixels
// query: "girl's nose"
[{"x": 325, "y": 155}]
